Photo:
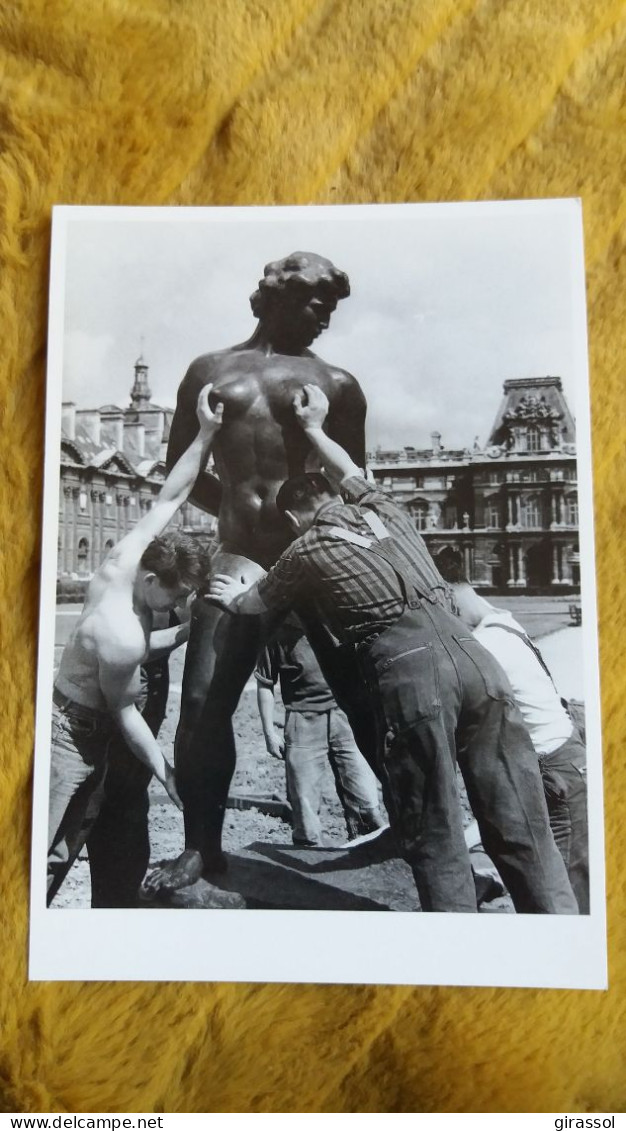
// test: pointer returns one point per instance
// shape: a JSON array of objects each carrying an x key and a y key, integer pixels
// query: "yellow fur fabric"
[{"x": 299, "y": 101}]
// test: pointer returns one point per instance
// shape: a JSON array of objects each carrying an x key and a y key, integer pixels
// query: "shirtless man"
[
  {"x": 258, "y": 447},
  {"x": 98, "y": 683}
]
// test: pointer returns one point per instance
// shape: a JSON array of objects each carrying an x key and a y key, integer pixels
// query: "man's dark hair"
[
  {"x": 177, "y": 559},
  {"x": 303, "y": 489},
  {"x": 449, "y": 562},
  {"x": 300, "y": 271}
]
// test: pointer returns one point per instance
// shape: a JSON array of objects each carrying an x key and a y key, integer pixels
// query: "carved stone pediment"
[{"x": 531, "y": 409}]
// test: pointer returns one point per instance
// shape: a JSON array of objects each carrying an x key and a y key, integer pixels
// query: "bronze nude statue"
[{"x": 258, "y": 447}]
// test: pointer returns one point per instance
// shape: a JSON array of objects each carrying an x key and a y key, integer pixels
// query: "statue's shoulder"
[
  {"x": 207, "y": 363},
  {"x": 344, "y": 382},
  {"x": 205, "y": 369},
  {"x": 340, "y": 377}
]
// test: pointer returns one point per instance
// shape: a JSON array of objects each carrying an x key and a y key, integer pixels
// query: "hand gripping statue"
[{"x": 259, "y": 446}]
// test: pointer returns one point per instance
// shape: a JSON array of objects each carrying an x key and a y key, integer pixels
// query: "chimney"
[
  {"x": 89, "y": 418},
  {"x": 435, "y": 439},
  {"x": 118, "y": 432},
  {"x": 68, "y": 419},
  {"x": 134, "y": 439},
  {"x": 112, "y": 432}
]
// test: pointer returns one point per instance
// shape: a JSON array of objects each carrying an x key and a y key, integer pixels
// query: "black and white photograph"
[{"x": 318, "y": 640}]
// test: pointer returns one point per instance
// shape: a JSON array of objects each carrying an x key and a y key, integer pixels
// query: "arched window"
[
  {"x": 82, "y": 555},
  {"x": 108, "y": 546},
  {"x": 533, "y": 439},
  {"x": 419, "y": 514},
  {"x": 496, "y": 563}
]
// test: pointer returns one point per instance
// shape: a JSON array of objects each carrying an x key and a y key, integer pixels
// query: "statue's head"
[{"x": 296, "y": 297}]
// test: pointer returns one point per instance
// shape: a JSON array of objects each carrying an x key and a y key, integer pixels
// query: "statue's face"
[{"x": 301, "y": 313}]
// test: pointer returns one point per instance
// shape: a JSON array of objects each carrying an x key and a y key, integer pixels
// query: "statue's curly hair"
[{"x": 301, "y": 269}]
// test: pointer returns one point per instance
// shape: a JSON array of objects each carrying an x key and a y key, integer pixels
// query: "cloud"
[
  {"x": 444, "y": 306},
  {"x": 87, "y": 367}
]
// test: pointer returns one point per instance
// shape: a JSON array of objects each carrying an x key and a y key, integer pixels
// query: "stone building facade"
[
  {"x": 510, "y": 507},
  {"x": 112, "y": 468}
]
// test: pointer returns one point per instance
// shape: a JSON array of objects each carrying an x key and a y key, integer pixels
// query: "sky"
[{"x": 446, "y": 303}]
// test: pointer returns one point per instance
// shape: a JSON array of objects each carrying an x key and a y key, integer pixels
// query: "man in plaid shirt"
[{"x": 437, "y": 694}]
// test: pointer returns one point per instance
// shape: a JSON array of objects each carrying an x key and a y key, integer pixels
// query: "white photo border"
[{"x": 315, "y": 946}]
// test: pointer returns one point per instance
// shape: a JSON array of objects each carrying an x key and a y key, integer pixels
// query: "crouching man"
[
  {"x": 98, "y": 683},
  {"x": 436, "y": 693}
]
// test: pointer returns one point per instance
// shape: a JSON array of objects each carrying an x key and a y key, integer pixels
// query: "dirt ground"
[
  {"x": 247, "y": 829},
  {"x": 257, "y": 774},
  {"x": 260, "y": 775}
]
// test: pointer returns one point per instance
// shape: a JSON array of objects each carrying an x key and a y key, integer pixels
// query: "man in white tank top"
[{"x": 559, "y": 748}]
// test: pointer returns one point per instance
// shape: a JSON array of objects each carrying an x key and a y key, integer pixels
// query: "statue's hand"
[
  {"x": 209, "y": 421},
  {"x": 312, "y": 412}
]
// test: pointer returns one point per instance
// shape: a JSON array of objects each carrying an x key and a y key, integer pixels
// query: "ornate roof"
[
  {"x": 84, "y": 452},
  {"x": 72, "y": 452},
  {"x": 530, "y": 401}
]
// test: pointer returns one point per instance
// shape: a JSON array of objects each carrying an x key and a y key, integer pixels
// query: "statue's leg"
[
  {"x": 205, "y": 764},
  {"x": 221, "y": 654},
  {"x": 197, "y": 676}
]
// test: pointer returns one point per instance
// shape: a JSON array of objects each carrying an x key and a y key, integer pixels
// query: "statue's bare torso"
[{"x": 260, "y": 444}]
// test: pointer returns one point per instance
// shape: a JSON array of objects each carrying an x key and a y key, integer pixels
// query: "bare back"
[{"x": 107, "y": 622}]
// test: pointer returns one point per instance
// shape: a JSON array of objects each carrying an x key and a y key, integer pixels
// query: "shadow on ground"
[{"x": 281, "y": 877}]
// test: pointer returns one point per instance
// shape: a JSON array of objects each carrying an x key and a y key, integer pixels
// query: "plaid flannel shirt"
[{"x": 357, "y": 594}]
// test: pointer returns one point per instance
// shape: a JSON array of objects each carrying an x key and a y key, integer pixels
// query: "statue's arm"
[
  {"x": 346, "y": 417},
  {"x": 207, "y": 491}
]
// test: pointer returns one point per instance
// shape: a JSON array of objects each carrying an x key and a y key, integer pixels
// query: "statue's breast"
[
  {"x": 288, "y": 377},
  {"x": 254, "y": 385},
  {"x": 236, "y": 391}
]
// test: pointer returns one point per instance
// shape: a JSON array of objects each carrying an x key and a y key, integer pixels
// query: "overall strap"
[
  {"x": 529, "y": 643},
  {"x": 382, "y": 546},
  {"x": 350, "y": 536},
  {"x": 375, "y": 523}
]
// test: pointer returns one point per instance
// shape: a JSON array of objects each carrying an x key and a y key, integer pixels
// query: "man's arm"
[
  {"x": 206, "y": 492},
  {"x": 311, "y": 415},
  {"x": 174, "y": 491},
  {"x": 120, "y": 683},
  {"x": 265, "y": 701},
  {"x": 164, "y": 640},
  {"x": 279, "y": 591},
  {"x": 236, "y": 595},
  {"x": 346, "y": 417},
  {"x": 266, "y": 675}
]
